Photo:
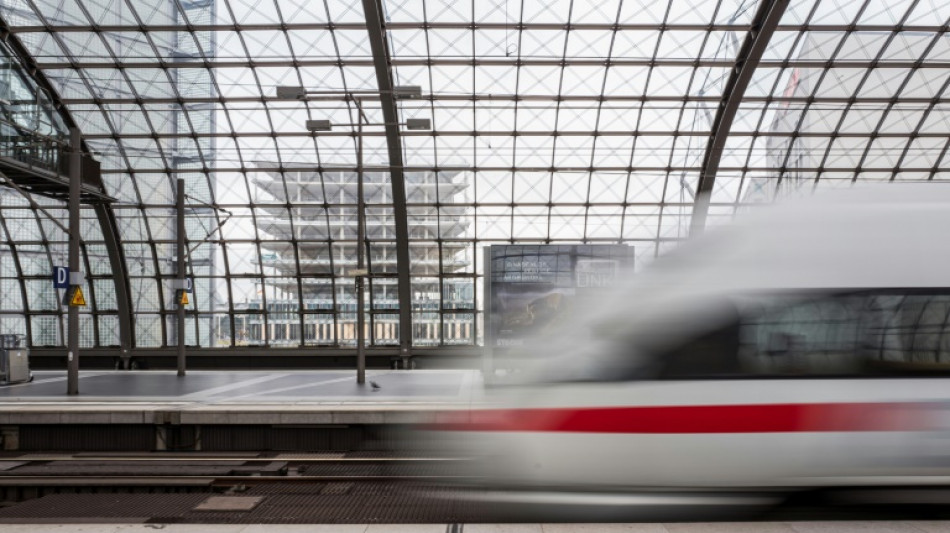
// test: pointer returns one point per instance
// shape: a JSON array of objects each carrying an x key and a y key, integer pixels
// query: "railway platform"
[{"x": 225, "y": 410}]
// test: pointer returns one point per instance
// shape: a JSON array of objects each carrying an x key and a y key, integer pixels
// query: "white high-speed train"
[{"x": 807, "y": 345}]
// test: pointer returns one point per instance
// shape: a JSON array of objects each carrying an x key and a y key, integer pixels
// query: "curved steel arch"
[
  {"x": 382, "y": 60},
  {"x": 760, "y": 33},
  {"x": 104, "y": 211}
]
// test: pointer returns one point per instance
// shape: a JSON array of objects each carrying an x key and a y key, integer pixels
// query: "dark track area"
[
  {"x": 351, "y": 488},
  {"x": 378, "y": 502},
  {"x": 367, "y": 497},
  {"x": 284, "y": 503}
]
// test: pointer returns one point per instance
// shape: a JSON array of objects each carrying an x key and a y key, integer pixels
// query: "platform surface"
[
  {"x": 239, "y": 397},
  {"x": 911, "y": 526}
]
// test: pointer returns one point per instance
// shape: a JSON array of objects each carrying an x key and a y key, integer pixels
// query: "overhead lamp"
[
  {"x": 418, "y": 124},
  {"x": 400, "y": 92},
  {"x": 290, "y": 93},
  {"x": 319, "y": 125},
  {"x": 407, "y": 92}
]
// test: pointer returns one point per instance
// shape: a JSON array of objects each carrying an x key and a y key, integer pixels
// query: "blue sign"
[
  {"x": 189, "y": 285},
  {"x": 60, "y": 277}
]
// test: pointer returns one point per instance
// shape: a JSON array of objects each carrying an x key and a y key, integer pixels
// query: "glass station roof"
[{"x": 552, "y": 122}]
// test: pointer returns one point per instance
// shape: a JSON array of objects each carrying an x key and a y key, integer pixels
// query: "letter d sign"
[{"x": 60, "y": 277}]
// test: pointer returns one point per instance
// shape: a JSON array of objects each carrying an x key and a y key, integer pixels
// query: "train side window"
[
  {"x": 858, "y": 334},
  {"x": 808, "y": 337},
  {"x": 909, "y": 332}
]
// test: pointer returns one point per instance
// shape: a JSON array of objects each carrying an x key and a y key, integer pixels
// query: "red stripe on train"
[{"x": 760, "y": 418}]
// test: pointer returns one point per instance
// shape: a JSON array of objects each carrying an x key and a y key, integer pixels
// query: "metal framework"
[
  {"x": 555, "y": 121},
  {"x": 749, "y": 59},
  {"x": 373, "y": 11},
  {"x": 103, "y": 212}
]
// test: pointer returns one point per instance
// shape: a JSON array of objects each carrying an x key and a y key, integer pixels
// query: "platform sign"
[
  {"x": 60, "y": 277},
  {"x": 189, "y": 285}
]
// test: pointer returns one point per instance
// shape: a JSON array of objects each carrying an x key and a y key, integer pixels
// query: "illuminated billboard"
[{"x": 530, "y": 287}]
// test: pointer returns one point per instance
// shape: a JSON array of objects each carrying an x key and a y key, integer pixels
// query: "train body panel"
[
  {"x": 808, "y": 345},
  {"x": 707, "y": 434}
]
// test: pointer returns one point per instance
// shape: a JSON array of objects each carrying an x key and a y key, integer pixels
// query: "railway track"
[
  {"x": 32, "y": 475},
  {"x": 282, "y": 488},
  {"x": 302, "y": 488}
]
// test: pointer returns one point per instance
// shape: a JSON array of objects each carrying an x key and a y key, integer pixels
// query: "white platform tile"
[
  {"x": 602, "y": 528},
  {"x": 502, "y": 528},
  {"x": 856, "y": 526}
]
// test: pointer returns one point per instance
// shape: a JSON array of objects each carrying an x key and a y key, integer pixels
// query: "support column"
[
  {"x": 72, "y": 317},
  {"x": 180, "y": 273},
  {"x": 382, "y": 61},
  {"x": 360, "y": 257}
]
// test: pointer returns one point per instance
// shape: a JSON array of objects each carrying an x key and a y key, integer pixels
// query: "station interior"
[{"x": 484, "y": 266}]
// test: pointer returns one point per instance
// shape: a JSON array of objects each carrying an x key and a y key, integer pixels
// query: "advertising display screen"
[{"x": 530, "y": 287}]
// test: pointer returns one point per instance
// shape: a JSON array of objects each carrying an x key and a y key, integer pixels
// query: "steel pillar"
[
  {"x": 360, "y": 257},
  {"x": 180, "y": 272},
  {"x": 373, "y": 9},
  {"x": 72, "y": 317}
]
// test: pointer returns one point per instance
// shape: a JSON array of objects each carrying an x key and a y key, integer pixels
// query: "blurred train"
[{"x": 805, "y": 346}]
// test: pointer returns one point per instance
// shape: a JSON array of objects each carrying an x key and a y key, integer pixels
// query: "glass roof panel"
[{"x": 550, "y": 121}]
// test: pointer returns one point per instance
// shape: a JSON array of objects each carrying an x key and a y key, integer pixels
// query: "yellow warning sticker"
[
  {"x": 184, "y": 298},
  {"x": 77, "y": 299}
]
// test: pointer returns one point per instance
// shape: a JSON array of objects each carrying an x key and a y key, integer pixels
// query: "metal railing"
[{"x": 34, "y": 150}]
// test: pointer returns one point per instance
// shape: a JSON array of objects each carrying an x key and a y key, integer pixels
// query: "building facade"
[{"x": 302, "y": 270}]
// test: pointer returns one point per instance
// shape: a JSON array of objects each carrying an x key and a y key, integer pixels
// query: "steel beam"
[
  {"x": 550, "y": 97},
  {"x": 373, "y": 9},
  {"x": 110, "y": 236},
  {"x": 763, "y": 26},
  {"x": 496, "y": 168},
  {"x": 533, "y": 133},
  {"x": 480, "y": 62},
  {"x": 471, "y": 26}
]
